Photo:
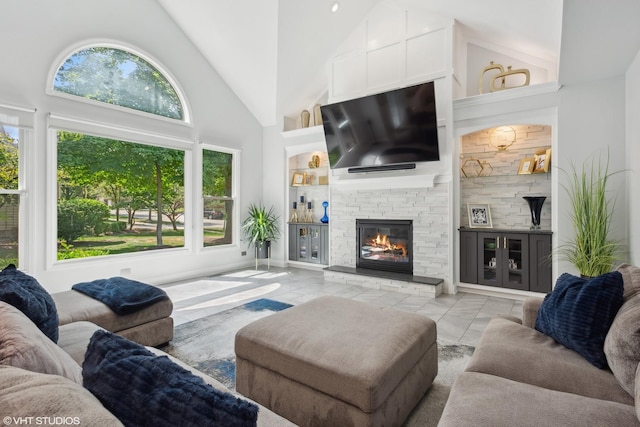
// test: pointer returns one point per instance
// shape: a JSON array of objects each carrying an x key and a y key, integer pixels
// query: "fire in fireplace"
[{"x": 385, "y": 245}]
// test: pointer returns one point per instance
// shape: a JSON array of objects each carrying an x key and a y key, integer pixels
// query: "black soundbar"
[{"x": 396, "y": 167}]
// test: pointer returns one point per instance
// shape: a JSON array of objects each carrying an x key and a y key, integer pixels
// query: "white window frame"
[
  {"x": 121, "y": 46},
  {"x": 235, "y": 184},
  {"x": 22, "y": 118},
  {"x": 57, "y": 122}
]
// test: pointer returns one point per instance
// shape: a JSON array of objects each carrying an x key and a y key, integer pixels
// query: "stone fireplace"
[
  {"x": 425, "y": 205},
  {"x": 385, "y": 244}
]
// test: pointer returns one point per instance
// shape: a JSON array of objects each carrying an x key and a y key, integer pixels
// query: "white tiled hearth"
[{"x": 385, "y": 281}]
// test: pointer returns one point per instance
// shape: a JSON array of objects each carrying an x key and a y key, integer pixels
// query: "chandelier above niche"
[{"x": 501, "y": 138}]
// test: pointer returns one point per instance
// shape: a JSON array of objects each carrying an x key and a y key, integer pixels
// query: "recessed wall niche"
[{"x": 490, "y": 176}]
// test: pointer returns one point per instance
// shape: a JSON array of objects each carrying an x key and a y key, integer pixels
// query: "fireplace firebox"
[{"x": 384, "y": 244}]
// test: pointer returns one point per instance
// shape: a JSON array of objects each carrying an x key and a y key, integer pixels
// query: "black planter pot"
[{"x": 263, "y": 250}]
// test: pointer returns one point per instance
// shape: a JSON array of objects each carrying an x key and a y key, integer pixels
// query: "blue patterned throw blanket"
[{"x": 123, "y": 296}]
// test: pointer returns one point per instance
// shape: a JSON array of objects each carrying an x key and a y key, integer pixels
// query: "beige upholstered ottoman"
[
  {"x": 150, "y": 326},
  {"x": 337, "y": 362}
]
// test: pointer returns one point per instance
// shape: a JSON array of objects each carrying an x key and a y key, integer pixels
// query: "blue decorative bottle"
[{"x": 325, "y": 218}]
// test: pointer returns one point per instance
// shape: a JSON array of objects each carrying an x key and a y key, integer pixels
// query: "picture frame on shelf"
[
  {"x": 308, "y": 178},
  {"x": 479, "y": 215},
  {"x": 542, "y": 161},
  {"x": 526, "y": 166},
  {"x": 298, "y": 179}
]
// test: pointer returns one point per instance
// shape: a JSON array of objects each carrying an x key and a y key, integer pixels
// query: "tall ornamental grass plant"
[{"x": 592, "y": 249}]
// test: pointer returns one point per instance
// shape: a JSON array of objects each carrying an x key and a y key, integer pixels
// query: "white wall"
[
  {"x": 633, "y": 156},
  {"x": 591, "y": 121},
  {"x": 34, "y": 38}
]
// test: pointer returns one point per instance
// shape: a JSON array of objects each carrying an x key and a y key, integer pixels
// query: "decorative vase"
[
  {"x": 535, "y": 205},
  {"x": 325, "y": 218},
  {"x": 294, "y": 213},
  {"x": 317, "y": 115},
  {"x": 304, "y": 118}
]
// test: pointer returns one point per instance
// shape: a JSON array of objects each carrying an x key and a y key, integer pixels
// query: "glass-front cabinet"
[
  {"x": 308, "y": 243},
  {"x": 504, "y": 260},
  {"x": 514, "y": 259}
]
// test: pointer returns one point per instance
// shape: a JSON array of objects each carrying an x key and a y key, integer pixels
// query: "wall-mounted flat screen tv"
[{"x": 393, "y": 128}]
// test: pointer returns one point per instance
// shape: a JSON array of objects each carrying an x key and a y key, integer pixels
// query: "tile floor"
[{"x": 460, "y": 318}]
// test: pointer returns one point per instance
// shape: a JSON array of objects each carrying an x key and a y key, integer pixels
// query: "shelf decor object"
[
  {"x": 526, "y": 166},
  {"x": 535, "y": 205},
  {"x": 509, "y": 75},
  {"x": 542, "y": 162},
  {"x": 317, "y": 115},
  {"x": 298, "y": 179},
  {"x": 315, "y": 162},
  {"x": 473, "y": 167},
  {"x": 479, "y": 215},
  {"x": 499, "y": 74},
  {"x": 304, "y": 118},
  {"x": 309, "y": 215},
  {"x": 325, "y": 218},
  {"x": 486, "y": 69},
  {"x": 502, "y": 137},
  {"x": 294, "y": 213}
]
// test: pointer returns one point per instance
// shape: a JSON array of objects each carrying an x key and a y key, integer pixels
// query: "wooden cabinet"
[
  {"x": 540, "y": 279},
  {"x": 506, "y": 258},
  {"x": 309, "y": 243},
  {"x": 468, "y": 256}
]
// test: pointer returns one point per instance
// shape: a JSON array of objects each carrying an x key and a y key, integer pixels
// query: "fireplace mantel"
[{"x": 384, "y": 180}]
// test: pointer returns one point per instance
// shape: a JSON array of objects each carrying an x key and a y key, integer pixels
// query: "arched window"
[{"x": 118, "y": 77}]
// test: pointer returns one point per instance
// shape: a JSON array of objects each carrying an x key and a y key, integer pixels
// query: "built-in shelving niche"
[{"x": 489, "y": 176}]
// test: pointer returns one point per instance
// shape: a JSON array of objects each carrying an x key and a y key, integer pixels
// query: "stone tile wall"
[
  {"x": 504, "y": 188},
  {"x": 427, "y": 207}
]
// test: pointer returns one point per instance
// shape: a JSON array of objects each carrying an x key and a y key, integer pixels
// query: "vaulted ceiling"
[{"x": 273, "y": 53}]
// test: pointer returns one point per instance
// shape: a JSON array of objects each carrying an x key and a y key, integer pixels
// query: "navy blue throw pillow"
[
  {"x": 143, "y": 389},
  {"x": 27, "y": 295},
  {"x": 579, "y": 312}
]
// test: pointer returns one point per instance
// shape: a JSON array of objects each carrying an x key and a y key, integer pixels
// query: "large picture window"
[
  {"x": 9, "y": 195},
  {"x": 218, "y": 201},
  {"x": 117, "y": 196},
  {"x": 117, "y": 77}
]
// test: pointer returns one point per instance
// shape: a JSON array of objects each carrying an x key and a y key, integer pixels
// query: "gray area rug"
[{"x": 207, "y": 345}]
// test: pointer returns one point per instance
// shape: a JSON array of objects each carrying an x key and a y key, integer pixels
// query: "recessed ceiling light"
[{"x": 335, "y": 6}]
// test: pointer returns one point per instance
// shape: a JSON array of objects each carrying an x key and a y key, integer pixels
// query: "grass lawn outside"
[{"x": 141, "y": 238}]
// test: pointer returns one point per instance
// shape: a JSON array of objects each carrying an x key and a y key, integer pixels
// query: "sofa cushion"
[
  {"x": 578, "y": 313},
  {"x": 631, "y": 279},
  {"x": 23, "y": 345},
  {"x": 26, "y": 394},
  {"x": 522, "y": 354},
  {"x": 27, "y": 295},
  {"x": 622, "y": 344},
  {"x": 637, "y": 391},
  {"x": 141, "y": 388},
  {"x": 75, "y": 337},
  {"x": 482, "y": 400}
]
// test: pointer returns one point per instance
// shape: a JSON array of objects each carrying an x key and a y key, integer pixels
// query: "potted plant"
[
  {"x": 261, "y": 228},
  {"x": 592, "y": 249}
]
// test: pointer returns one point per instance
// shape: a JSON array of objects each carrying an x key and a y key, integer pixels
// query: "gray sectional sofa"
[{"x": 518, "y": 376}]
